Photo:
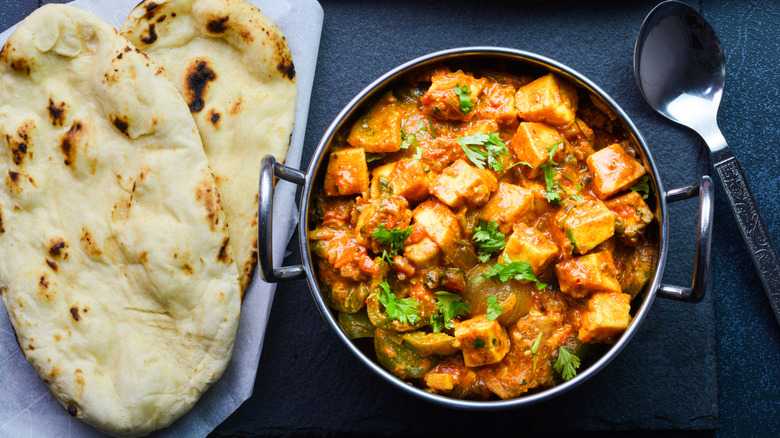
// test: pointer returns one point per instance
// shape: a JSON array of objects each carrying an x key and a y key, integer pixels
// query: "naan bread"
[
  {"x": 115, "y": 265},
  {"x": 234, "y": 69}
]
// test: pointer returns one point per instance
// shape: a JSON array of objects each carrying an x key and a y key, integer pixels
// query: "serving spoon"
[{"x": 681, "y": 70}]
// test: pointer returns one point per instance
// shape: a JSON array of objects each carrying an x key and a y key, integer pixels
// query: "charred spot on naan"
[
  {"x": 56, "y": 112},
  {"x": 45, "y": 293},
  {"x": 120, "y": 123},
  {"x": 2, "y": 227},
  {"x": 150, "y": 7},
  {"x": 217, "y": 25},
  {"x": 15, "y": 181},
  {"x": 70, "y": 140},
  {"x": 224, "y": 255},
  {"x": 151, "y": 36},
  {"x": 57, "y": 248},
  {"x": 74, "y": 312},
  {"x": 20, "y": 143},
  {"x": 52, "y": 264},
  {"x": 236, "y": 107},
  {"x": 89, "y": 244},
  {"x": 198, "y": 75},
  {"x": 19, "y": 64},
  {"x": 214, "y": 117},
  {"x": 206, "y": 194}
]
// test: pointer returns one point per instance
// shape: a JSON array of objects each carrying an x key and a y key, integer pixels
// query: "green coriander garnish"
[
  {"x": 395, "y": 238},
  {"x": 642, "y": 186},
  {"x": 515, "y": 270},
  {"x": 535, "y": 348},
  {"x": 408, "y": 140},
  {"x": 448, "y": 307},
  {"x": 478, "y": 343},
  {"x": 493, "y": 309},
  {"x": 465, "y": 98},
  {"x": 570, "y": 236},
  {"x": 405, "y": 310},
  {"x": 488, "y": 240},
  {"x": 566, "y": 364},
  {"x": 494, "y": 148}
]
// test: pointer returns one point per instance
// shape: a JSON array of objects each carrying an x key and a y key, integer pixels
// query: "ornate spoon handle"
[{"x": 751, "y": 225}]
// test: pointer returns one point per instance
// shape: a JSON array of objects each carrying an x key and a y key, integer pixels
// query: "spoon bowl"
[
  {"x": 680, "y": 69},
  {"x": 680, "y": 65}
]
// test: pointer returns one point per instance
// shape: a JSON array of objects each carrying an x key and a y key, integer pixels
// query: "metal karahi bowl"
[{"x": 518, "y": 62}]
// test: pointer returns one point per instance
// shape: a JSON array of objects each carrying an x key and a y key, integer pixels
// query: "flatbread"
[
  {"x": 115, "y": 265},
  {"x": 234, "y": 69}
]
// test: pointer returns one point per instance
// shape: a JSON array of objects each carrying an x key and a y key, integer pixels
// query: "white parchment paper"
[{"x": 27, "y": 407}]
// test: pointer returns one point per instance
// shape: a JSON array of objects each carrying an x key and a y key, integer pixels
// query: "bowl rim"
[{"x": 439, "y": 57}]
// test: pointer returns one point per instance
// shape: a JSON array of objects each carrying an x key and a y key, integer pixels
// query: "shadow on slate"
[{"x": 666, "y": 378}]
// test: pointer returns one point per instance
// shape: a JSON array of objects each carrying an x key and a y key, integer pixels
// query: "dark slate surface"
[{"x": 676, "y": 375}]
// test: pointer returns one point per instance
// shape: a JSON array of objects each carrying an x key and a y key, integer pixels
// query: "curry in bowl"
[{"x": 481, "y": 230}]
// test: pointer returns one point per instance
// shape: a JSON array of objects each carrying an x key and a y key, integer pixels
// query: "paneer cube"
[
  {"x": 548, "y": 99},
  {"x": 532, "y": 143},
  {"x": 632, "y": 215},
  {"x": 613, "y": 170},
  {"x": 380, "y": 181},
  {"x": 423, "y": 253},
  {"x": 347, "y": 172},
  {"x": 452, "y": 95},
  {"x": 461, "y": 184},
  {"x": 409, "y": 178},
  {"x": 582, "y": 275},
  {"x": 482, "y": 341},
  {"x": 507, "y": 206},
  {"x": 498, "y": 102},
  {"x": 607, "y": 316},
  {"x": 438, "y": 221},
  {"x": 527, "y": 244},
  {"x": 380, "y": 129},
  {"x": 588, "y": 224}
]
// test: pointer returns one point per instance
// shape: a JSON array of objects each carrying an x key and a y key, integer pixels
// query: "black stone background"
[{"x": 706, "y": 369}]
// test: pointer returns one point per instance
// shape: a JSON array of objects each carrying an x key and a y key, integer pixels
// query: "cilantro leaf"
[
  {"x": 448, "y": 306},
  {"x": 642, "y": 186},
  {"x": 551, "y": 150},
  {"x": 493, "y": 309},
  {"x": 464, "y": 95},
  {"x": 405, "y": 310},
  {"x": 570, "y": 236},
  {"x": 566, "y": 364},
  {"x": 488, "y": 240},
  {"x": 408, "y": 140},
  {"x": 517, "y": 270},
  {"x": 494, "y": 148},
  {"x": 395, "y": 238},
  {"x": 373, "y": 156},
  {"x": 550, "y": 193},
  {"x": 535, "y": 347},
  {"x": 478, "y": 343}
]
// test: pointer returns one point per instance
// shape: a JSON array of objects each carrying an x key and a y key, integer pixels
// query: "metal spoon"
[{"x": 681, "y": 70}]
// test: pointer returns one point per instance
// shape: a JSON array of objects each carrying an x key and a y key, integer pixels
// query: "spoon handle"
[{"x": 751, "y": 225}]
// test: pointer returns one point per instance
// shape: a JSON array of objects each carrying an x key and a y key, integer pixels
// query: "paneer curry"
[{"x": 482, "y": 229}]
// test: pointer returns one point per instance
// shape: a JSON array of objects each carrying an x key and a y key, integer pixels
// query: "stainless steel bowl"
[{"x": 522, "y": 63}]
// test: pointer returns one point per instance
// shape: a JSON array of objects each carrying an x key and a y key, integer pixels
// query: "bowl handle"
[
  {"x": 265, "y": 222},
  {"x": 701, "y": 267}
]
